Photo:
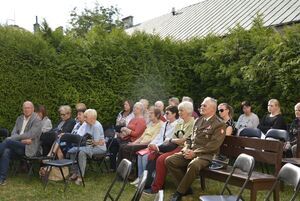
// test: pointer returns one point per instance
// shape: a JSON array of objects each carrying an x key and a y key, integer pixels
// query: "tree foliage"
[{"x": 102, "y": 68}]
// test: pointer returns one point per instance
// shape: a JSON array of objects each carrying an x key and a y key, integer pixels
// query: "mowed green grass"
[{"x": 22, "y": 188}]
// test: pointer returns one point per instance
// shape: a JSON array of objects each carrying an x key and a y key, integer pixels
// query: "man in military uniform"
[{"x": 208, "y": 135}]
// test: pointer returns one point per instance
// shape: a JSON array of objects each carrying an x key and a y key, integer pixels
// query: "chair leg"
[
  {"x": 46, "y": 178},
  {"x": 81, "y": 175},
  {"x": 202, "y": 182},
  {"x": 65, "y": 181},
  {"x": 253, "y": 194}
]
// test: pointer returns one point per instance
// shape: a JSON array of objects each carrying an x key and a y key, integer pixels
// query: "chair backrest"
[
  {"x": 289, "y": 174},
  {"x": 140, "y": 187},
  {"x": 246, "y": 164},
  {"x": 3, "y": 134},
  {"x": 278, "y": 134},
  {"x": 159, "y": 196},
  {"x": 122, "y": 174},
  {"x": 250, "y": 132}
]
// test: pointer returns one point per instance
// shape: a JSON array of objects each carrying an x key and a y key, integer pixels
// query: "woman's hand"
[{"x": 98, "y": 143}]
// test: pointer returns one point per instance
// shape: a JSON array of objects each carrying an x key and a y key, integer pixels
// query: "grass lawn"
[{"x": 22, "y": 188}]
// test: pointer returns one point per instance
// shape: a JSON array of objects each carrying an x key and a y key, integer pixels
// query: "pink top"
[{"x": 137, "y": 125}]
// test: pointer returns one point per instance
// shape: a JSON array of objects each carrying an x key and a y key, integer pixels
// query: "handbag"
[{"x": 167, "y": 147}]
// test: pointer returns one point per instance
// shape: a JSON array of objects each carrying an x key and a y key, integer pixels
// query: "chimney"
[
  {"x": 173, "y": 11},
  {"x": 36, "y": 26},
  {"x": 128, "y": 22}
]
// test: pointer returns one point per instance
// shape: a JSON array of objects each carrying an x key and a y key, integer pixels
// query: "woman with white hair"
[
  {"x": 183, "y": 130},
  {"x": 130, "y": 133},
  {"x": 95, "y": 146},
  {"x": 274, "y": 119}
]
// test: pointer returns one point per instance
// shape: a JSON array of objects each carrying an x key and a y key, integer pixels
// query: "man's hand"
[
  {"x": 189, "y": 154},
  {"x": 27, "y": 141}
]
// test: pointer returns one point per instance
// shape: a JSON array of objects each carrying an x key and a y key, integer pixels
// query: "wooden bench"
[{"x": 264, "y": 151}]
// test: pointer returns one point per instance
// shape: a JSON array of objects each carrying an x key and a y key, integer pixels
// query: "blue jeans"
[
  {"x": 142, "y": 163},
  {"x": 10, "y": 150}
]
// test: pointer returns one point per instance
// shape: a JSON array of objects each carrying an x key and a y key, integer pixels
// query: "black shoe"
[
  {"x": 176, "y": 196},
  {"x": 189, "y": 192}
]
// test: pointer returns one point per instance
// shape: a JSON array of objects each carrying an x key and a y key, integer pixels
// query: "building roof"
[{"x": 219, "y": 16}]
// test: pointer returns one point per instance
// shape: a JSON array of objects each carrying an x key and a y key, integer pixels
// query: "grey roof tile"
[{"x": 218, "y": 17}]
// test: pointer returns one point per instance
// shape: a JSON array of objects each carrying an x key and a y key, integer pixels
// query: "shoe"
[
  {"x": 176, "y": 196},
  {"x": 78, "y": 182},
  {"x": 2, "y": 182},
  {"x": 149, "y": 191},
  {"x": 73, "y": 177},
  {"x": 136, "y": 181}
]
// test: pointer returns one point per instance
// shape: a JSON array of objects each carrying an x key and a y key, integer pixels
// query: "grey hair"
[
  {"x": 187, "y": 98},
  {"x": 297, "y": 106},
  {"x": 159, "y": 102},
  {"x": 65, "y": 108},
  {"x": 91, "y": 113},
  {"x": 213, "y": 101},
  {"x": 140, "y": 105},
  {"x": 187, "y": 106}
]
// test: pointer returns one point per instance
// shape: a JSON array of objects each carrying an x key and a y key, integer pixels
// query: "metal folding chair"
[
  {"x": 141, "y": 185},
  {"x": 289, "y": 174},
  {"x": 244, "y": 163},
  {"x": 122, "y": 174}
]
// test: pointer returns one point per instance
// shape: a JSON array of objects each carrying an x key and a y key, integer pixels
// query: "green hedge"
[{"x": 102, "y": 69}]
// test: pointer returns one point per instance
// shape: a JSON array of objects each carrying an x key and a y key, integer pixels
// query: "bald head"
[
  {"x": 28, "y": 108},
  {"x": 208, "y": 107}
]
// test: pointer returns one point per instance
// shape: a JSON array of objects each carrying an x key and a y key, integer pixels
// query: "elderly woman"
[
  {"x": 182, "y": 131},
  {"x": 129, "y": 150},
  {"x": 79, "y": 129},
  {"x": 165, "y": 134},
  {"x": 97, "y": 145},
  {"x": 274, "y": 119},
  {"x": 248, "y": 119},
  {"x": 130, "y": 133},
  {"x": 125, "y": 116},
  {"x": 294, "y": 129},
  {"x": 226, "y": 113},
  {"x": 65, "y": 125},
  {"x": 46, "y": 122}
]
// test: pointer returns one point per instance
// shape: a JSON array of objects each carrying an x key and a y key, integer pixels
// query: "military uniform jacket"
[{"x": 207, "y": 137}]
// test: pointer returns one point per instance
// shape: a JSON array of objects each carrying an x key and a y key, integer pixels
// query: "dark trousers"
[
  {"x": 114, "y": 150},
  {"x": 128, "y": 151},
  {"x": 9, "y": 149}
]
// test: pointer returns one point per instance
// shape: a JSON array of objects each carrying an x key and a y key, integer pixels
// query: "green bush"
[{"x": 102, "y": 69}]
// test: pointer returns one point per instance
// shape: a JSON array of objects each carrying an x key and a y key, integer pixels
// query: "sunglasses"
[
  {"x": 221, "y": 110},
  {"x": 167, "y": 113}
]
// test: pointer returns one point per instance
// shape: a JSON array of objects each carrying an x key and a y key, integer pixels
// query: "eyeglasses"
[{"x": 221, "y": 110}]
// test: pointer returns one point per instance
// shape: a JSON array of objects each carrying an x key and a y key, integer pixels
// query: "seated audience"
[
  {"x": 189, "y": 99},
  {"x": 164, "y": 135},
  {"x": 95, "y": 146},
  {"x": 174, "y": 101},
  {"x": 46, "y": 122},
  {"x": 160, "y": 105},
  {"x": 65, "y": 125},
  {"x": 274, "y": 119},
  {"x": 248, "y": 119},
  {"x": 129, "y": 150},
  {"x": 226, "y": 113},
  {"x": 206, "y": 139},
  {"x": 294, "y": 129},
  {"x": 24, "y": 139},
  {"x": 130, "y": 133},
  {"x": 79, "y": 129},
  {"x": 157, "y": 158},
  {"x": 124, "y": 116}
]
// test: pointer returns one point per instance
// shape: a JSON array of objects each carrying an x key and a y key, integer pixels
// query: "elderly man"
[
  {"x": 24, "y": 139},
  {"x": 208, "y": 135},
  {"x": 160, "y": 105}
]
